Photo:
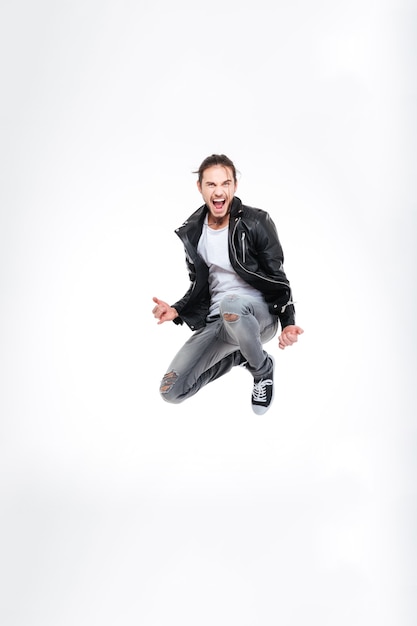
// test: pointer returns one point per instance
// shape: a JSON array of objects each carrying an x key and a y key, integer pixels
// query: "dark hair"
[{"x": 215, "y": 159}]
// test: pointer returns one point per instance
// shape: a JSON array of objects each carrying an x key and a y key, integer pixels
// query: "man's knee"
[
  {"x": 168, "y": 382},
  {"x": 166, "y": 388},
  {"x": 230, "y": 317},
  {"x": 231, "y": 308}
]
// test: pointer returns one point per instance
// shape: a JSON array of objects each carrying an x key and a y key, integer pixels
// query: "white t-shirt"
[{"x": 213, "y": 248}]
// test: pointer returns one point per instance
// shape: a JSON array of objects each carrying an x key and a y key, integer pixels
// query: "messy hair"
[{"x": 215, "y": 159}]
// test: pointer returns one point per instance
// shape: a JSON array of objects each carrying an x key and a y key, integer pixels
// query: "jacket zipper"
[{"x": 243, "y": 248}]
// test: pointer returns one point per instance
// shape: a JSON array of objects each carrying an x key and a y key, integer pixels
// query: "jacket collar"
[{"x": 236, "y": 207}]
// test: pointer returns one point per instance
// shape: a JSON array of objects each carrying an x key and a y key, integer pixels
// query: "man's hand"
[
  {"x": 289, "y": 336},
  {"x": 163, "y": 312}
]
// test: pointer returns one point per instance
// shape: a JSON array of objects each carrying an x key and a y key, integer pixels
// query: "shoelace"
[{"x": 259, "y": 390}]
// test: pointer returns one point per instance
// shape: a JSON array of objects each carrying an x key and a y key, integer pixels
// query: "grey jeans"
[{"x": 213, "y": 350}]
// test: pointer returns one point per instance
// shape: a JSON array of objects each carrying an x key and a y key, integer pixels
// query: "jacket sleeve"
[
  {"x": 193, "y": 306},
  {"x": 271, "y": 259},
  {"x": 287, "y": 318}
]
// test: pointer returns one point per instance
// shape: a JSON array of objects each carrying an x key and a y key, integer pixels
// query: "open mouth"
[{"x": 218, "y": 204}]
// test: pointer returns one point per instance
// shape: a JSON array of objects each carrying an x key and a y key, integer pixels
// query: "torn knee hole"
[
  {"x": 230, "y": 317},
  {"x": 168, "y": 382}
]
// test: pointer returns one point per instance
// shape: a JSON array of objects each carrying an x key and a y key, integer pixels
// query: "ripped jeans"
[{"x": 231, "y": 338}]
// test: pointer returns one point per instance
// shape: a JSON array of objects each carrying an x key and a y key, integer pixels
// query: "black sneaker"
[{"x": 263, "y": 391}]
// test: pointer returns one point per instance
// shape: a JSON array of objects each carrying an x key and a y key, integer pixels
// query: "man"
[{"x": 238, "y": 293}]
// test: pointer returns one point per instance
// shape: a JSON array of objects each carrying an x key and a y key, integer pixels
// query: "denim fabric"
[{"x": 213, "y": 350}]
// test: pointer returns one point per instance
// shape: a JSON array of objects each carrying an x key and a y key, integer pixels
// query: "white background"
[{"x": 117, "y": 508}]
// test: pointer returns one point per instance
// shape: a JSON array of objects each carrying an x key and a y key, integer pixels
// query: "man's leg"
[
  {"x": 249, "y": 323},
  {"x": 202, "y": 359}
]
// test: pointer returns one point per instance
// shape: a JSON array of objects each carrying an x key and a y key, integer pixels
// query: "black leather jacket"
[{"x": 255, "y": 254}]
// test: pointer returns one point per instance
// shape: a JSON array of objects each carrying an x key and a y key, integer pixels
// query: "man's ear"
[{"x": 199, "y": 186}]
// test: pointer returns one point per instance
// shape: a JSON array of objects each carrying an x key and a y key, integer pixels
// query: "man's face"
[{"x": 217, "y": 188}]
